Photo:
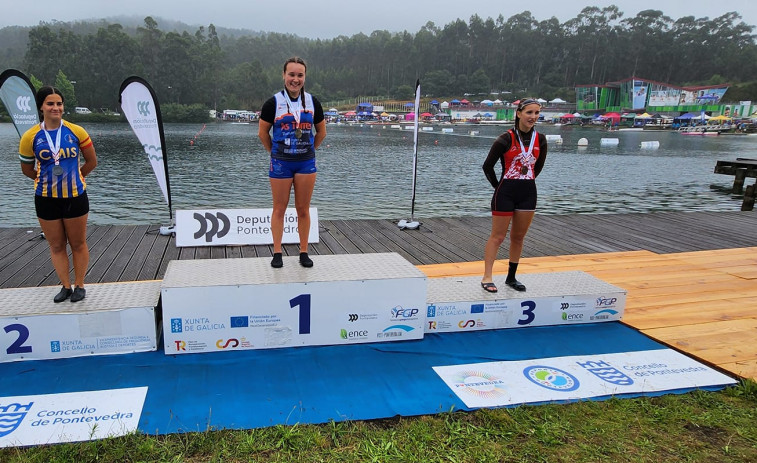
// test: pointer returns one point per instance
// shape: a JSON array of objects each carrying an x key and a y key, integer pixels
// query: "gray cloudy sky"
[{"x": 330, "y": 18}]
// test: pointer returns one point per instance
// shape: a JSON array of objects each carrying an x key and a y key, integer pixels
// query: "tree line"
[{"x": 518, "y": 54}]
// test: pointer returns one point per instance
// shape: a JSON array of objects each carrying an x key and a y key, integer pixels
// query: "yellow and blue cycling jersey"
[{"x": 35, "y": 148}]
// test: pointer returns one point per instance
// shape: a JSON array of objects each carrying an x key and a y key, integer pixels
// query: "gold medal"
[{"x": 298, "y": 133}]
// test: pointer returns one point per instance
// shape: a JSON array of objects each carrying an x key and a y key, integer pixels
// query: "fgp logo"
[
  {"x": 212, "y": 225},
  {"x": 22, "y": 103},
  {"x": 181, "y": 345},
  {"x": 398, "y": 312},
  {"x": 176, "y": 325},
  {"x": 606, "y": 301},
  {"x": 11, "y": 417},
  {"x": 551, "y": 378},
  {"x": 229, "y": 343},
  {"x": 143, "y": 107}
]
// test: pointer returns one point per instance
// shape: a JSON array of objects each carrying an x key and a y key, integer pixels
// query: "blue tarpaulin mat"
[{"x": 259, "y": 388}]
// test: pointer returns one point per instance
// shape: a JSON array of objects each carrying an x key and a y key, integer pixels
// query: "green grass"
[{"x": 699, "y": 426}]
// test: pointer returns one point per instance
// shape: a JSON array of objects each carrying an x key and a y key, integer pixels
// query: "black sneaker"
[
  {"x": 62, "y": 295},
  {"x": 305, "y": 261},
  {"x": 277, "y": 261},
  {"x": 79, "y": 294}
]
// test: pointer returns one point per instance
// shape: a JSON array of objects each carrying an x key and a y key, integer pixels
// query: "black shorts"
[
  {"x": 514, "y": 195},
  {"x": 61, "y": 208}
]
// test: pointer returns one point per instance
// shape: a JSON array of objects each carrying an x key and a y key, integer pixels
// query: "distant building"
[{"x": 636, "y": 94}]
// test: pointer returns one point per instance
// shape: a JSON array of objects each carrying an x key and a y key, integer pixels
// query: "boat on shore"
[{"x": 700, "y": 130}]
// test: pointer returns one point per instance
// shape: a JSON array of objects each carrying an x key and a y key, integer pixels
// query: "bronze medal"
[{"x": 524, "y": 170}]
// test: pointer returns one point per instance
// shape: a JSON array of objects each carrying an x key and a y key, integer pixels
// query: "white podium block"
[
  {"x": 114, "y": 318},
  {"x": 216, "y": 305},
  {"x": 560, "y": 298}
]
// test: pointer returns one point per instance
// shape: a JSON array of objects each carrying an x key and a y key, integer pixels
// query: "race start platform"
[{"x": 114, "y": 318}]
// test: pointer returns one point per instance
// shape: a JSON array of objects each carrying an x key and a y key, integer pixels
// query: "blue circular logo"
[{"x": 551, "y": 378}]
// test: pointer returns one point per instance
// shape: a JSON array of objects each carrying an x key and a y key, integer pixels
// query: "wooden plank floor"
[
  {"x": 138, "y": 252},
  {"x": 703, "y": 303},
  {"x": 691, "y": 276}
]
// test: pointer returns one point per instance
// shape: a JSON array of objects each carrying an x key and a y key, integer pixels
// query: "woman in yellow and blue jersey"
[{"x": 50, "y": 155}]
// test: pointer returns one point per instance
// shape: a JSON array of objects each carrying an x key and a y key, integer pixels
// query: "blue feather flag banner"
[
  {"x": 141, "y": 108},
  {"x": 17, "y": 94}
]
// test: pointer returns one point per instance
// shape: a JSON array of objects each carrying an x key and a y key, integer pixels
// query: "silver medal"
[{"x": 57, "y": 171}]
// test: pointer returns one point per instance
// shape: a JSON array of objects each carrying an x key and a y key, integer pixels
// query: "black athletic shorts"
[
  {"x": 514, "y": 195},
  {"x": 61, "y": 208}
]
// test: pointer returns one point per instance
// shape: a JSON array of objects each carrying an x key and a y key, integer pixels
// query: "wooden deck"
[{"x": 691, "y": 276}]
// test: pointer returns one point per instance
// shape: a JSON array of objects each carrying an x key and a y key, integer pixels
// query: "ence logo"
[
  {"x": 479, "y": 384},
  {"x": 356, "y": 334},
  {"x": 212, "y": 225},
  {"x": 11, "y": 416},
  {"x": 551, "y": 378},
  {"x": 22, "y": 103}
]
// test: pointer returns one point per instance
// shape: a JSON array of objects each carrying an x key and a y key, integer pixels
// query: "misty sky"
[{"x": 328, "y": 19}]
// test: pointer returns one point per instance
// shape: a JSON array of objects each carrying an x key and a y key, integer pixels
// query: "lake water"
[{"x": 365, "y": 172}]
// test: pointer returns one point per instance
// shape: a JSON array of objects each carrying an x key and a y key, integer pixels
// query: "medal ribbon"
[
  {"x": 54, "y": 148},
  {"x": 526, "y": 157},
  {"x": 295, "y": 112}
]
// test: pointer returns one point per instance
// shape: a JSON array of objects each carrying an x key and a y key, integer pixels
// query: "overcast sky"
[{"x": 330, "y": 18}]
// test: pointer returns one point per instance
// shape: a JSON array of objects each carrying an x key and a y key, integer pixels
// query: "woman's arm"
[
  {"x": 320, "y": 133},
  {"x": 29, "y": 170},
  {"x": 264, "y": 134},
  {"x": 90, "y": 160}
]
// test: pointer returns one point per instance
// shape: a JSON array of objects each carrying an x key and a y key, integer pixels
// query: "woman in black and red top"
[{"x": 522, "y": 152}]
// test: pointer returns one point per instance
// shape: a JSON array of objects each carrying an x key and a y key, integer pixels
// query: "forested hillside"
[{"x": 235, "y": 69}]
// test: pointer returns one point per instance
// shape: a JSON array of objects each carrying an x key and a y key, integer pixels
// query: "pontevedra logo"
[
  {"x": 143, "y": 107},
  {"x": 11, "y": 416},
  {"x": 22, "y": 103},
  {"x": 211, "y": 225}
]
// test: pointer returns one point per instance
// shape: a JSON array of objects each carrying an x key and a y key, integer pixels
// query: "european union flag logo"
[
  {"x": 240, "y": 322},
  {"x": 477, "y": 308}
]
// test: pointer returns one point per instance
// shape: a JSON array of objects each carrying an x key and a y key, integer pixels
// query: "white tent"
[
  {"x": 541, "y": 100},
  {"x": 498, "y": 102},
  {"x": 558, "y": 100},
  {"x": 444, "y": 105}
]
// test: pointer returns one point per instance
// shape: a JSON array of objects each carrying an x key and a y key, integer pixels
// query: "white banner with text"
[
  {"x": 225, "y": 227},
  {"x": 69, "y": 417},
  {"x": 499, "y": 384}
]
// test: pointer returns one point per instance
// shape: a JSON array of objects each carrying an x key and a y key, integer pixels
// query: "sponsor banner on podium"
[
  {"x": 521, "y": 312},
  {"x": 224, "y": 227},
  {"x": 498, "y": 384},
  {"x": 69, "y": 417},
  {"x": 223, "y": 318},
  {"x": 77, "y": 334}
]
